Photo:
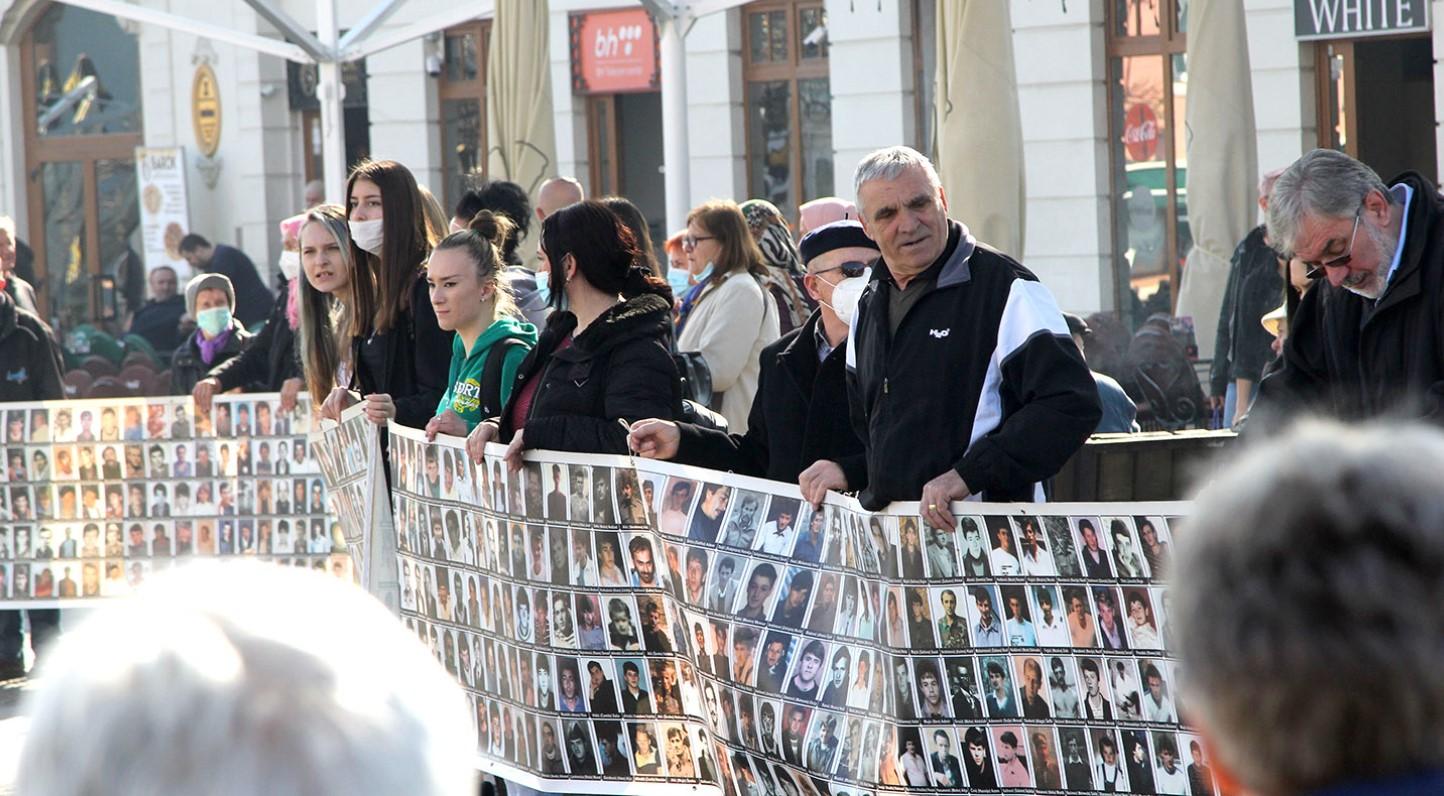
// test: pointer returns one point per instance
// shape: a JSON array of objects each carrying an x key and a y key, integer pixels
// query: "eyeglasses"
[
  {"x": 691, "y": 241},
  {"x": 850, "y": 269},
  {"x": 1316, "y": 269}
]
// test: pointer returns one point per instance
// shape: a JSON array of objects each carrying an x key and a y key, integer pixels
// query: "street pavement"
[{"x": 12, "y": 731}]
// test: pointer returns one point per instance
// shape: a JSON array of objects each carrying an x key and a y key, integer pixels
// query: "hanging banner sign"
[
  {"x": 164, "y": 205},
  {"x": 631, "y": 626},
  {"x": 614, "y": 51}
]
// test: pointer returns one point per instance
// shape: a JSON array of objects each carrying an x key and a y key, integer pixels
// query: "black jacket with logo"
[
  {"x": 981, "y": 377},
  {"x": 29, "y": 356},
  {"x": 1351, "y": 357},
  {"x": 619, "y": 368},
  {"x": 800, "y": 415}
]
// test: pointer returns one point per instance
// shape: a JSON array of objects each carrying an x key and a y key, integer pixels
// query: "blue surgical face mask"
[
  {"x": 706, "y": 272},
  {"x": 678, "y": 279},
  {"x": 544, "y": 286},
  {"x": 214, "y": 320}
]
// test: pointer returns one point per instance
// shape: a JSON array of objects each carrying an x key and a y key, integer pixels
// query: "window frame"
[{"x": 474, "y": 89}]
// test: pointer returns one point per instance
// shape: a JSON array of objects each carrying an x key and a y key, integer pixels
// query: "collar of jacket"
[
  {"x": 644, "y": 315},
  {"x": 798, "y": 359},
  {"x": 1423, "y": 216},
  {"x": 952, "y": 264}
]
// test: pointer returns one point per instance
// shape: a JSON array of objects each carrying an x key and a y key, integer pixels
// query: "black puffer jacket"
[
  {"x": 269, "y": 359},
  {"x": 29, "y": 356},
  {"x": 619, "y": 368}
]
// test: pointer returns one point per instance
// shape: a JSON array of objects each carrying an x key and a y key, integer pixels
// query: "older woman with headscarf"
[{"x": 784, "y": 263}]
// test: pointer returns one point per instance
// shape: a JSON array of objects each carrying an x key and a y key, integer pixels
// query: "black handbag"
[{"x": 696, "y": 376}]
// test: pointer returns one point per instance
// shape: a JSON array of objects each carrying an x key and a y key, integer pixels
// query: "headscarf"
[
  {"x": 779, "y": 252},
  {"x": 291, "y": 227}
]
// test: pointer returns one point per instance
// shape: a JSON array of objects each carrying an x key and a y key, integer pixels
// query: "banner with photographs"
[
  {"x": 624, "y": 625},
  {"x": 349, "y": 454},
  {"x": 96, "y": 495}
]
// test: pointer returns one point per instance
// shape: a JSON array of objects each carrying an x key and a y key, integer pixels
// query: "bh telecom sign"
[{"x": 1351, "y": 19}]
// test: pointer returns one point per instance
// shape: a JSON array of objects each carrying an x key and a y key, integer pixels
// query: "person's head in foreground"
[
  {"x": 1307, "y": 612},
  {"x": 208, "y": 681}
]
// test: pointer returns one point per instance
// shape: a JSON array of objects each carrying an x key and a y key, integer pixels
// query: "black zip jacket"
[
  {"x": 982, "y": 377},
  {"x": 29, "y": 356},
  {"x": 411, "y": 362},
  {"x": 800, "y": 415},
  {"x": 1243, "y": 347},
  {"x": 1351, "y": 358},
  {"x": 268, "y": 360},
  {"x": 619, "y": 368}
]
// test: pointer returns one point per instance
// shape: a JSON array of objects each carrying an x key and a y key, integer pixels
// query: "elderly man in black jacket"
[
  {"x": 962, "y": 376},
  {"x": 1371, "y": 340},
  {"x": 800, "y": 413}
]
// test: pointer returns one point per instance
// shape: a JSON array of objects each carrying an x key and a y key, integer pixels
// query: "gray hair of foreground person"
[
  {"x": 1323, "y": 183},
  {"x": 244, "y": 679},
  {"x": 1306, "y": 608}
]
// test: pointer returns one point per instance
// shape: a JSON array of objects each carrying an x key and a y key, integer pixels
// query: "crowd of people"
[{"x": 887, "y": 352}]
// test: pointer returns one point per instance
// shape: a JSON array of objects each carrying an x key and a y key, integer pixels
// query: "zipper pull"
[{"x": 884, "y": 385}]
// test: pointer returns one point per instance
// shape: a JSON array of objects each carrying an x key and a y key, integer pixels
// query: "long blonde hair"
[{"x": 327, "y": 324}]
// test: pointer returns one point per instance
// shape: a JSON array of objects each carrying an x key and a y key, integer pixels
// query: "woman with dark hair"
[
  {"x": 400, "y": 364},
  {"x": 729, "y": 316},
  {"x": 604, "y": 360}
]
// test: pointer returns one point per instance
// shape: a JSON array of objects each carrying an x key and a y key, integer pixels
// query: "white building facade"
[{"x": 784, "y": 97}]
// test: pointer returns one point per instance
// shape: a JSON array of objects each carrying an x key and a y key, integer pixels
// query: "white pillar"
[
  {"x": 333, "y": 120},
  {"x": 675, "y": 151}
]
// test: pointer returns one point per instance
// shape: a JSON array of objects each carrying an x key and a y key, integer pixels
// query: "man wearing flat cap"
[
  {"x": 800, "y": 413},
  {"x": 963, "y": 379}
]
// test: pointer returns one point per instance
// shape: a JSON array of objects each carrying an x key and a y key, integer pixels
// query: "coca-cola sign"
[{"x": 1140, "y": 133}]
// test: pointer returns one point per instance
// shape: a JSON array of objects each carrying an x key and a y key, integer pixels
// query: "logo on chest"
[
  {"x": 18, "y": 376},
  {"x": 940, "y": 333}
]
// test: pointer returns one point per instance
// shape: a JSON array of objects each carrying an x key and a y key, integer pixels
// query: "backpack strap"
[{"x": 491, "y": 403}]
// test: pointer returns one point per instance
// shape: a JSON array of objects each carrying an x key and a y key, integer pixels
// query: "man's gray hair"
[
  {"x": 210, "y": 681},
  {"x": 887, "y": 164},
  {"x": 1307, "y": 607},
  {"x": 1324, "y": 183}
]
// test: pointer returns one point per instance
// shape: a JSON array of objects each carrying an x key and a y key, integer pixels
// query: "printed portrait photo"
[
  {"x": 678, "y": 494},
  {"x": 1000, "y": 695},
  {"x": 779, "y": 531}
]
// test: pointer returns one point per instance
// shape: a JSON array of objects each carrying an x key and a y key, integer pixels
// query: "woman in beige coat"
[{"x": 731, "y": 319}]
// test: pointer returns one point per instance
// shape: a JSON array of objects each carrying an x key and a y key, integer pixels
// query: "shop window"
[
  {"x": 789, "y": 102},
  {"x": 82, "y": 105},
  {"x": 1148, "y": 86},
  {"x": 462, "y": 92}
]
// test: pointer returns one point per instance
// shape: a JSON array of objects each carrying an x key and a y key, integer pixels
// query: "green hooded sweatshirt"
[{"x": 463, "y": 395}]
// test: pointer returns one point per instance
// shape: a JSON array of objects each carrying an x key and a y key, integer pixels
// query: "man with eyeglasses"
[
  {"x": 1368, "y": 338},
  {"x": 800, "y": 413}
]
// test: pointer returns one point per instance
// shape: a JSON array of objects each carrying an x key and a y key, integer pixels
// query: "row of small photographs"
[
  {"x": 157, "y": 460},
  {"x": 949, "y": 617},
  {"x": 166, "y": 538},
  {"x": 112, "y": 577},
  {"x": 195, "y": 497},
  {"x": 130, "y": 420},
  {"x": 345, "y": 454},
  {"x": 587, "y": 749},
  {"x": 1132, "y": 547}
]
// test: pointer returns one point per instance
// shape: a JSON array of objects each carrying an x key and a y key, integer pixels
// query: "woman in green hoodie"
[{"x": 491, "y": 339}]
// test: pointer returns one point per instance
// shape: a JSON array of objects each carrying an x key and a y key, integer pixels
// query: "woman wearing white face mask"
[
  {"x": 268, "y": 364},
  {"x": 218, "y": 337},
  {"x": 402, "y": 359},
  {"x": 799, "y": 420}
]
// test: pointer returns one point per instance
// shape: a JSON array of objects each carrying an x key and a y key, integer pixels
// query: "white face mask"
[
  {"x": 845, "y": 295},
  {"x": 290, "y": 264},
  {"x": 367, "y": 235}
]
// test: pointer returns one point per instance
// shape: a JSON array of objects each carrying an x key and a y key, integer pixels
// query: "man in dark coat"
[
  {"x": 962, "y": 376},
  {"x": 159, "y": 320},
  {"x": 800, "y": 413},
  {"x": 253, "y": 300},
  {"x": 29, "y": 371},
  {"x": 1370, "y": 341}
]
